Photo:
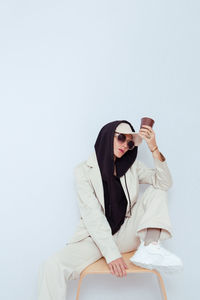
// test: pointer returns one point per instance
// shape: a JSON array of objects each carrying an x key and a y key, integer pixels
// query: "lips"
[{"x": 122, "y": 151}]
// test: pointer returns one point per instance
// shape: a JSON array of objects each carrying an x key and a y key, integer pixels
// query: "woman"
[{"x": 113, "y": 218}]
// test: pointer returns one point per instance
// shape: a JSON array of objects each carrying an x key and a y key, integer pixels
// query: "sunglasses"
[{"x": 122, "y": 138}]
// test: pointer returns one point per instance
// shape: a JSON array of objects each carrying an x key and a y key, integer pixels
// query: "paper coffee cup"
[{"x": 147, "y": 121}]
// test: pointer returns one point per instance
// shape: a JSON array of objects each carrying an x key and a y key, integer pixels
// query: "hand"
[
  {"x": 147, "y": 133},
  {"x": 118, "y": 267}
]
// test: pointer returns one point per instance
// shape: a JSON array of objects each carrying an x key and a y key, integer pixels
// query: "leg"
[
  {"x": 156, "y": 214},
  {"x": 150, "y": 211},
  {"x": 65, "y": 264}
]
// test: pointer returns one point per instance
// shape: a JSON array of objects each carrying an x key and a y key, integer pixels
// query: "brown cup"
[{"x": 147, "y": 121}]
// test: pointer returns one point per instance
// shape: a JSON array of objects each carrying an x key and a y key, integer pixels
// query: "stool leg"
[
  {"x": 161, "y": 285},
  {"x": 79, "y": 285}
]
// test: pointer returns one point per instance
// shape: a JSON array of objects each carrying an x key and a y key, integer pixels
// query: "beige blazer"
[{"x": 90, "y": 193}]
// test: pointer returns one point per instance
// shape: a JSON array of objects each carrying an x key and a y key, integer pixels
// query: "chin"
[{"x": 119, "y": 156}]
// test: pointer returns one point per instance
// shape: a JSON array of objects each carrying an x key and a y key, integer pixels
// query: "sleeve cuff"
[
  {"x": 112, "y": 256},
  {"x": 158, "y": 161}
]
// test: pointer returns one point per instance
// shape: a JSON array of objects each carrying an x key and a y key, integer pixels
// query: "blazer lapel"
[
  {"x": 95, "y": 178},
  {"x": 122, "y": 179}
]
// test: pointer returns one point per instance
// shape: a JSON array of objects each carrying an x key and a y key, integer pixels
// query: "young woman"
[{"x": 114, "y": 219}]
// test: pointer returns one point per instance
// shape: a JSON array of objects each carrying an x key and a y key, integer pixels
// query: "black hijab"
[{"x": 114, "y": 197}]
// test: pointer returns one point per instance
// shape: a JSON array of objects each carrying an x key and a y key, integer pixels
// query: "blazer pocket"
[
  {"x": 80, "y": 233},
  {"x": 77, "y": 238}
]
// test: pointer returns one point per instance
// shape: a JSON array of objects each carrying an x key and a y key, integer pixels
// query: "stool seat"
[{"x": 101, "y": 267}]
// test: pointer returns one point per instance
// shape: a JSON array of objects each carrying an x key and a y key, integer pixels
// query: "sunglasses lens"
[
  {"x": 131, "y": 145},
  {"x": 121, "y": 137}
]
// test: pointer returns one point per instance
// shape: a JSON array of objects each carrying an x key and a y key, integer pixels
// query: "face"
[{"x": 120, "y": 148}]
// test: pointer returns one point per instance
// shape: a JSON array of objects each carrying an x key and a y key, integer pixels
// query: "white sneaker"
[{"x": 154, "y": 256}]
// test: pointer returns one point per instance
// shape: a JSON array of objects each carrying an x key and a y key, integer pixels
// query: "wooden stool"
[{"x": 101, "y": 267}]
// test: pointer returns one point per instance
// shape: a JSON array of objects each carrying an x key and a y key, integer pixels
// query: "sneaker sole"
[{"x": 166, "y": 269}]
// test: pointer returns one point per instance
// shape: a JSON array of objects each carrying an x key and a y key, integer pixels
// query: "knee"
[{"x": 152, "y": 194}]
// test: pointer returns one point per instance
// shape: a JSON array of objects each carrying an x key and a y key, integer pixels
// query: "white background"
[{"x": 66, "y": 69}]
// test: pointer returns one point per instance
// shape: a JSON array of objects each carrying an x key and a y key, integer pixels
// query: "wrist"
[
  {"x": 152, "y": 149},
  {"x": 157, "y": 154}
]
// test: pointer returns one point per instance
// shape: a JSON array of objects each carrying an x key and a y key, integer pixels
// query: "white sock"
[{"x": 152, "y": 236}]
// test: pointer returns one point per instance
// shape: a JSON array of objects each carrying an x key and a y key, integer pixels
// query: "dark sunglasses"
[{"x": 122, "y": 138}]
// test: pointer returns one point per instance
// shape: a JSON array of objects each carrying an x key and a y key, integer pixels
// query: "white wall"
[{"x": 66, "y": 69}]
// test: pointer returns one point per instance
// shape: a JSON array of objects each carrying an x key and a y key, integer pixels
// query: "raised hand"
[{"x": 147, "y": 133}]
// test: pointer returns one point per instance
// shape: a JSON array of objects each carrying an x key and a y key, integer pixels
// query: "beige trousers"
[{"x": 150, "y": 210}]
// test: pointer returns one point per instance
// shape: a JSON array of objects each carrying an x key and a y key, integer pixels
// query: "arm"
[
  {"x": 160, "y": 177},
  {"x": 94, "y": 217}
]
